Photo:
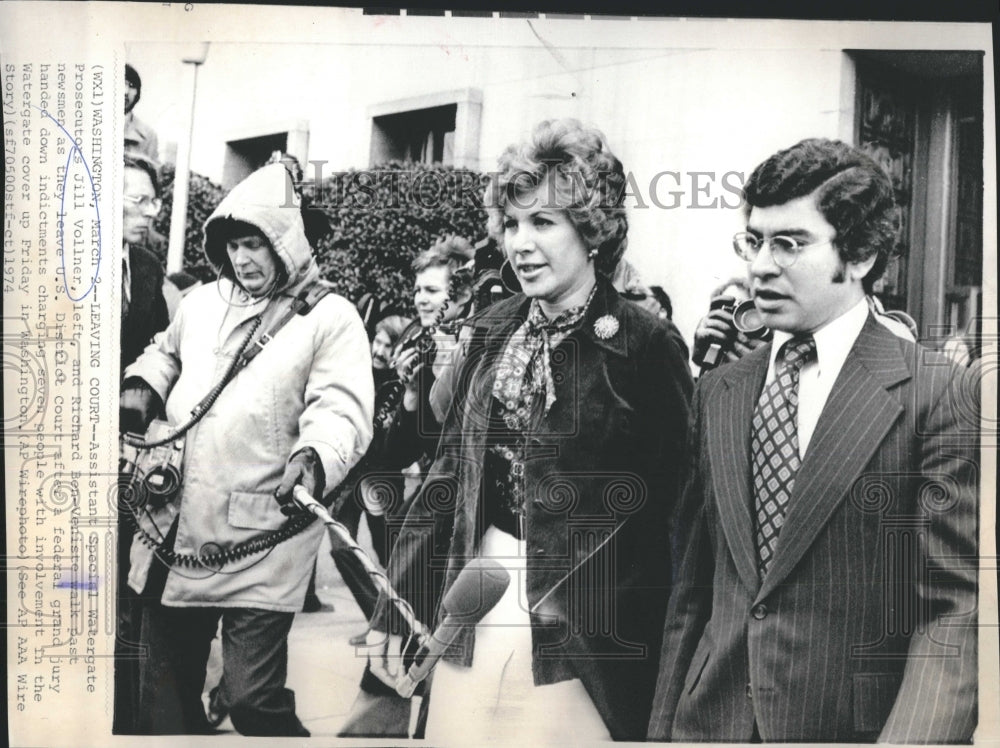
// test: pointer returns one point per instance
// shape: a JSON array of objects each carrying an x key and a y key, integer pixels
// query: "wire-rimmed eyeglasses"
[
  {"x": 784, "y": 249},
  {"x": 144, "y": 202}
]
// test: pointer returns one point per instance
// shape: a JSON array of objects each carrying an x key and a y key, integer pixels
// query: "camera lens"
[{"x": 747, "y": 319}]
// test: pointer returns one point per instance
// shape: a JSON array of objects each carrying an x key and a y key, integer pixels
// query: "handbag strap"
[{"x": 302, "y": 304}]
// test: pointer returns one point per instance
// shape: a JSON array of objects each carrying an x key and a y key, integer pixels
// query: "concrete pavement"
[{"x": 323, "y": 669}]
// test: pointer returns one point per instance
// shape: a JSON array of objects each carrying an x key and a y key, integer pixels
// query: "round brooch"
[{"x": 605, "y": 326}]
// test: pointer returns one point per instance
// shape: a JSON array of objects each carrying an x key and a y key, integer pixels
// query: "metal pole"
[
  {"x": 339, "y": 533},
  {"x": 178, "y": 215}
]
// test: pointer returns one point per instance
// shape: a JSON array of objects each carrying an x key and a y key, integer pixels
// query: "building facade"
[{"x": 689, "y": 107}]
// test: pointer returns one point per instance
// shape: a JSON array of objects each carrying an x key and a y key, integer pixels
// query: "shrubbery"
[
  {"x": 203, "y": 198},
  {"x": 380, "y": 219}
]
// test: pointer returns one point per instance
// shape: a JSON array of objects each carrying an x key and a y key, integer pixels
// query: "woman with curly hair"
[{"x": 559, "y": 459}]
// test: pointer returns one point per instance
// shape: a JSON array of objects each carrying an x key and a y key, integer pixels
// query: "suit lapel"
[
  {"x": 729, "y": 425},
  {"x": 856, "y": 418}
]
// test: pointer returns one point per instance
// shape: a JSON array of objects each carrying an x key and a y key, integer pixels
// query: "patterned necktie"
[
  {"x": 126, "y": 291},
  {"x": 775, "y": 445}
]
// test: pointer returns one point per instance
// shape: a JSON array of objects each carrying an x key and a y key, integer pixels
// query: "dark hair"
[
  {"x": 853, "y": 193},
  {"x": 588, "y": 180},
  {"x": 133, "y": 77},
  {"x": 291, "y": 164},
  {"x": 182, "y": 279},
  {"x": 454, "y": 253},
  {"x": 134, "y": 160},
  {"x": 663, "y": 298}
]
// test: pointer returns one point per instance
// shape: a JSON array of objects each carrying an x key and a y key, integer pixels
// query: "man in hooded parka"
[{"x": 299, "y": 413}]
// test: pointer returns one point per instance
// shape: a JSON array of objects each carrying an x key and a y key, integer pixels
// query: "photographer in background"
[
  {"x": 732, "y": 328},
  {"x": 442, "y": 296},
  {"x": 716, "y": 339}
]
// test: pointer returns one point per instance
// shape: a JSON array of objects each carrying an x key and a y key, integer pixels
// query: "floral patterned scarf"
[{"x": 524, "y": 372}]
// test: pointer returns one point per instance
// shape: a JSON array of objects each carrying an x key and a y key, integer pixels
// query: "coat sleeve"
[
  {"x": 412, "y": 434},
  {"x": 416, "y": 567},
  {"x": 936, "y": 702},
  {"x": 690, "y": 601},
  {"x": 160, "y": 364},
  {"x": 339, "y": 396},
  {"x": 160, "y": 315}
]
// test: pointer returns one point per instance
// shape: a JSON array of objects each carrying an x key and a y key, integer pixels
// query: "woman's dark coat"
[{"x": 601, "y": 477}]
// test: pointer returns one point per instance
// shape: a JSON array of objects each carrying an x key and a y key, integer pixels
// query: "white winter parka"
[{"x": 311, "y": 386}]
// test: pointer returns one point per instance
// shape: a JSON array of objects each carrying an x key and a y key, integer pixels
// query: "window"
[
  {"x": 248, "y": 151},
  {"x": 425, "y": 135},
  {"x": 433, "y": 129}
]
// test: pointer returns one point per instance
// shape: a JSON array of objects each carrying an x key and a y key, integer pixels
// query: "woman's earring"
[
  {"x": 509, "y": 278},
  {"x": 592, "y": 254}
]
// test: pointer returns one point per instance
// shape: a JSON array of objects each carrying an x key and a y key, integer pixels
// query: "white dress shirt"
[{"x": 833, "y": 342}]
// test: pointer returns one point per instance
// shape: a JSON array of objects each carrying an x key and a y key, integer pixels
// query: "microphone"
[{"x": 476, "y": 591}]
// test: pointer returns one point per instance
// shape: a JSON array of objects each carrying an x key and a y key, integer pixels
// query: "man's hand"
[
  {"x": 385, "y": 656},
  {"x": 137, "y": 406},
  {"x": 306, "y": 469},
  {"x": 715, "y": 327},
  {"x": 408, "y": 367},
  {"x": 742, "y": 345}
]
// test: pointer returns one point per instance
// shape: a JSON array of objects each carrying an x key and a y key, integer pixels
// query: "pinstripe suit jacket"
[{"x": 864, "y": 627}]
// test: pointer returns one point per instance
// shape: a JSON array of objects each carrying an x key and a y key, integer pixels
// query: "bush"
[
  {"x": 382, "y": 218},
  {"x": 379, "y": 220},
  {"x": 203, "y": 198}
]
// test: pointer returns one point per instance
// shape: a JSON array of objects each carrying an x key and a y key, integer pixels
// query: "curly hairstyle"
[
  {"x": 454, "y": 253},
  {"x": 585, "y": 179},
  {"x": 853, "y": 193}
]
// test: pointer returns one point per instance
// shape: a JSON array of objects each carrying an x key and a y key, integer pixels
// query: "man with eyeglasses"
[
  {"x": 827, "y": 590},
  {"x": 143, "y": 314},
  {"x": 143, "y": 308}
]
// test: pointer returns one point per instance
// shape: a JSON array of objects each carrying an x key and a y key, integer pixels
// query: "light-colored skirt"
[{"x": 495, "y": 701}]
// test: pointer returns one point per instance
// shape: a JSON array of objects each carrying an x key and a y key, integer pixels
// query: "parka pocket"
[{"x": 254, "y": 511}]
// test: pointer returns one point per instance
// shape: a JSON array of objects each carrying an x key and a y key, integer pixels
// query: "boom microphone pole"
[{"x": 305, "y": 500}]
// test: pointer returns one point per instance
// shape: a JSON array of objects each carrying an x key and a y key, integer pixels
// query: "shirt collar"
[{"x": 833, "y": 341}]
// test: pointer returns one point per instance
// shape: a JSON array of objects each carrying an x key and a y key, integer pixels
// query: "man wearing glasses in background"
[
  {"x": 143, "y": 314},
  {"x": 144, "y": 311},
  {"x": 829, "y": 522}
]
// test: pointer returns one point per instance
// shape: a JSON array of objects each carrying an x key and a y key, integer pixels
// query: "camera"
[
  {"x": 154, "y": 472},
  {"x": 746, "y": 320}
]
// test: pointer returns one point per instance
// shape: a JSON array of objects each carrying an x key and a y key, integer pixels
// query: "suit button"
[{"x": 759, "y": 611}]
